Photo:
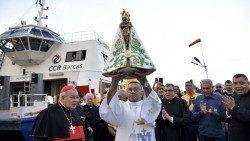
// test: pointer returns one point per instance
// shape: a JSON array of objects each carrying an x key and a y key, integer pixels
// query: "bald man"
[{"x": 101, "y": 129}]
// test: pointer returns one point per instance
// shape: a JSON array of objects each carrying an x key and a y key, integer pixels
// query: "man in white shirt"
[{"x": 134, "y": 118}]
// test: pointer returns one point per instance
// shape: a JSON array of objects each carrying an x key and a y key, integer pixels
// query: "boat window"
[
  {"x": 105, "y": 57},
  {"x": 47, "y": 34},
  {"x": 17, "y": 43},
  {"x": 83, "y": 57},
  {"x": 36, "y": 32},
  {"x": 75, "y": 56},
  {"x": 2, "y": 45},
  {"x": 25, "y": 42},
  {"x": 9, "y": 46},
  {"x": 46, "y": 45},
  {"x": 105, "y": 87},
  {"x": 55, "y": 35},
  {"x": 35, "y": 43},
  {"x": 6, "y": 33},
  {"x": 18, "y": 32}
]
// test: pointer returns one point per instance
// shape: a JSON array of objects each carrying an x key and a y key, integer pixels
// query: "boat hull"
[{"x": 16, "y": 128}]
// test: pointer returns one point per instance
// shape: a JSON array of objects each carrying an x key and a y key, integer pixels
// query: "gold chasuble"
[{"x": 128, "y": 53}]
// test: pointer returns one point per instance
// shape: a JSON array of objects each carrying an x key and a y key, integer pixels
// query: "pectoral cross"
[{"x": 72, "y": 128}]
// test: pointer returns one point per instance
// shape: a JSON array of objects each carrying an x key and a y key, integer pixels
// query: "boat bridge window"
[
  {"x": 55, "y": 35},
  {"x": 75, "y": 56},
  {"x": 46, "y": 45},
  {"x": 35, "y": 44},
  {"x": 25, "y": 42},
  {"x": 18, "y": 32},
  {"x": 17, "y": 43},
  {"x": 8, "y": 46},
  {"x": 2, "y": 45},
  {"x": 36, "y": 32},
  {"x": 6, "y": 33},
  {"x": 47, "y": 34}
]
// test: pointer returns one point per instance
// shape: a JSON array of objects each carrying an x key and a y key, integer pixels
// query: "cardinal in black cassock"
[{"x": 60, "y": 122}]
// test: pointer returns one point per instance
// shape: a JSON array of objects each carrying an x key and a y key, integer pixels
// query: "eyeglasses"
[
  {"x": 188, "y": 85},
  {"x": 218, "y": 87},
  {"x": 168, "y": 90},
  {"x": 74, "y": 97},
  {"x": 206, "y": 88},
  {"x": 135, "y": 89}
]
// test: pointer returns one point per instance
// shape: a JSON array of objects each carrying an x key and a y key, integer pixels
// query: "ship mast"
[{"x": 39, "y": 19}]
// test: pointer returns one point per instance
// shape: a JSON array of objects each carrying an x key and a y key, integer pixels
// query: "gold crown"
[{"x": 125, "y": 13}]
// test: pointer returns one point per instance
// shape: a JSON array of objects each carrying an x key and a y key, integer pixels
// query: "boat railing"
[
  {"x": 25, "y": 100},
  {"x": 84, "y": 36},
  {"x": 22, "y": 104}
]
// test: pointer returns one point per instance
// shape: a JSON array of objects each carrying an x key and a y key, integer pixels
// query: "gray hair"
[
  {"x": 207, "y": 81},
  {"x": 169, "y": 85},
  {"x": 62, "y": 94}
]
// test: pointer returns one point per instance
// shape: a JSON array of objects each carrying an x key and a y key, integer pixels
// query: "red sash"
[{"x": 76, "y": 133}]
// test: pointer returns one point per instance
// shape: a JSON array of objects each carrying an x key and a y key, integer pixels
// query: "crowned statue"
[{"x": 128, "y": 53}]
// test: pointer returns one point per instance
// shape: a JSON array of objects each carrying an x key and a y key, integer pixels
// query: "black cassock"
[
  {"x": 52, "y": 123},
  {"x": 176, "y": 131},
  {"x": 100, "y": 126}
]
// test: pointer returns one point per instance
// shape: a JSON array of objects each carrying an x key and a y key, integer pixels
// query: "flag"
[{"x": 195, "y": 42}]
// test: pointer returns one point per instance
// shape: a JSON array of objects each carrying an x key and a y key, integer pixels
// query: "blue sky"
[{"x": 165, "y": 27}]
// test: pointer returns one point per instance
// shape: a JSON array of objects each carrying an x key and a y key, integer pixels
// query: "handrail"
[
  {"x": 25, "y": 100},
  {"x": 84, "y": 36}
]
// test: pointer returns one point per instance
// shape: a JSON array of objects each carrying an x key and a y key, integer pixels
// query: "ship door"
[{"x": 53, "y": 87}]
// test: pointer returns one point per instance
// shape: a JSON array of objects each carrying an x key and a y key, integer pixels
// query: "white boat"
[{"x": 36, "y": 62}]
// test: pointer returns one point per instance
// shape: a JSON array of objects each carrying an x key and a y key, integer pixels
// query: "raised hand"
[
  {"x": 228, "y": 101},
  {"x": 203, "y": 107}
]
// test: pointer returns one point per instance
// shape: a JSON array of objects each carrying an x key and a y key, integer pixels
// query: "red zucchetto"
[{"x": 67, "y": 88}]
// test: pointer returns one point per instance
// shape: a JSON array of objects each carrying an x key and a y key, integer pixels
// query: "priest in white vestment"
[{"x": 134, "y": 118}]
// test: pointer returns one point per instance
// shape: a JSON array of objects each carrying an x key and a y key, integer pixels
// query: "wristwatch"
[{"x": 146, "y": 84}]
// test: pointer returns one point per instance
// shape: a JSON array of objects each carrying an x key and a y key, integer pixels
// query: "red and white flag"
[{"x": 195, "y": 42}]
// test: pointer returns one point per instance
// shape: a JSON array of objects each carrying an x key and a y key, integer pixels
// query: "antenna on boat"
[{"x": 39, "y": 19}]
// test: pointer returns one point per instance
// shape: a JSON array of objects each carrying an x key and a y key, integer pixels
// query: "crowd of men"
[
  {"x": 140, "y": 112},
  {"x": 216, "y": 113}
]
